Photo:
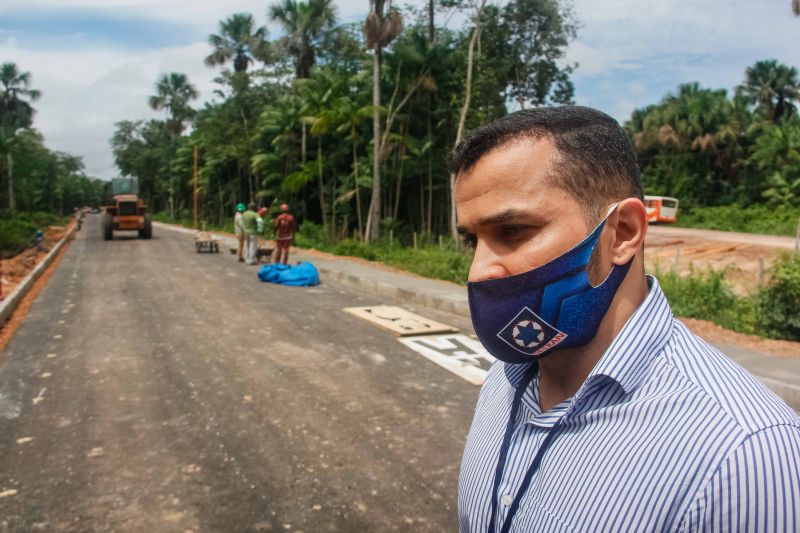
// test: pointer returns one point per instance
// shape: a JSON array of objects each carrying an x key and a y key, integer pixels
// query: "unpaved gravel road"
[
  {"x": 694, "y": 234},
  {"x": 156, "y": 389}
]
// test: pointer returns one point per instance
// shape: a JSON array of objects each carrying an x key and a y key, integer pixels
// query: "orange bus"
[{"x": 661, "y": 209}]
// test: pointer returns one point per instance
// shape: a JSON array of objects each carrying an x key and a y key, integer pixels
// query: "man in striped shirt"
[{"x": 603, "y": 412}]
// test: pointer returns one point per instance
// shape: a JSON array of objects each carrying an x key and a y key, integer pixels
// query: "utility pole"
[{"x": 195, "y": 186}]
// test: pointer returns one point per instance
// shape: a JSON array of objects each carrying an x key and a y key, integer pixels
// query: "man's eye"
[
  {"x": 470, "y": 241},
  {"x": 513, "y": 231}
]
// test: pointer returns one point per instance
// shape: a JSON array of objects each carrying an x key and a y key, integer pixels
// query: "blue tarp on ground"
[{"x": 302, "y": 275}]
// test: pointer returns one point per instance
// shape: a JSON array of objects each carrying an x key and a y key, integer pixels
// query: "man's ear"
[{"x": 630, "y": 227}]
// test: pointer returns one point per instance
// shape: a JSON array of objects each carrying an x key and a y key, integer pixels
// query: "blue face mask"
[{"x": 521, "y": 318}]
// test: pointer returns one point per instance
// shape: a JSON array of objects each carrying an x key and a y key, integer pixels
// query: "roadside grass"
[
  {"x": 706, "y": 296},
  {"x": 761, "y": 219},
  {"x": 18, "y": 230},
  {"x": 772, "y": 312},
  {"x": 430, "y": 259}
]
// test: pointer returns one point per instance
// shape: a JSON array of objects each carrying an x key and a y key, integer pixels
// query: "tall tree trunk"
[
  {"x": 303, "y": 142},
  {"x": 373, "y": 218},
  {"x": 426, "y": 220},
  {"x": 250, "y": 177},
  {"x": 431, "y": 27},
  {"x": 171, "y": 192},
  {"x": 402, "y": 151},
  {"x": 221, "y": 201},
  {"x": 462, "y": 119},
  {"x": 422, "y": 223},
  {"x": 358, "y": 191},
  {"x": 322, "y": 204},
  {"x": 12, "y": 203},
  {"x": 430, "y": 164}
]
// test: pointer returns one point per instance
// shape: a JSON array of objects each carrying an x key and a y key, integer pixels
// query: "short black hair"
[
  {"x": 251, "y": 206},
  {"x": 594, "y": 162}
]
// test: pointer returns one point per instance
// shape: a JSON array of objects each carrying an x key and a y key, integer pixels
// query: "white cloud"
[
  {"x": 85, "y": 92},
  {"x": 660, "y": 44},
  {"x": 189, "y": 12}
]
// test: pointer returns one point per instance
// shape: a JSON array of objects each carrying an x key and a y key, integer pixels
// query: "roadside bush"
[
  {"x": 778, "y": 303},
  {"x": 310, "y": 235},
  {"x": 705, "y": 295},
  {"x": 446, "y": 262},
  {"x": 17, "y": 230}
]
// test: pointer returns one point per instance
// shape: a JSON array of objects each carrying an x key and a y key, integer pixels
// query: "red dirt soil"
[
  {"x": 24, "y": 264},
  {"x": 14, "y": 270}
]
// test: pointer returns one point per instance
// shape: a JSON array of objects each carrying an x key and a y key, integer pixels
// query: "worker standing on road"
[
  {"x": 238, "y": 230},
  {"x": 252, "y": 225},
  {"x": 284, "y": 228}
]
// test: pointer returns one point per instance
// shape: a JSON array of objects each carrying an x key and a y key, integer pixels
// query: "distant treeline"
[
  {"x": 35, "y": 178},
  {"x": 711, "y": 149}
]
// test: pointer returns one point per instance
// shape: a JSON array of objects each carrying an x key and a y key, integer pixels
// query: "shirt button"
[{"x": 507, "y": 500}]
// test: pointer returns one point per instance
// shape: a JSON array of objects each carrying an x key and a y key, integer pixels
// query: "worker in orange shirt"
[{"x": 284, "y": 228}]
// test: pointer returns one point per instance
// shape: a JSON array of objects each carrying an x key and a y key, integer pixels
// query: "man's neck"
[{"x": 562, "y": 373}]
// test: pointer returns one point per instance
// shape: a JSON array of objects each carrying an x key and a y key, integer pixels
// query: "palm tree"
[
  {"x": 15, "y": 113},
  {"x": 350, "y": 114},
  {"x": 173, "y": 93},
  {"x": 773, "y": 87},
  {"x": 238, "y": 40},
  {"x": 304, "y": 23},
  {"x": 777, "y": 155},
  {"x": 478, "y": 7},
  {"x": 380, "y": 29},
  {"x": 316, "y": 95}
]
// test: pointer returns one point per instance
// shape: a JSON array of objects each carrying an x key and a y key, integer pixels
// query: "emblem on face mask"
[{"x": 528, "y": 333}]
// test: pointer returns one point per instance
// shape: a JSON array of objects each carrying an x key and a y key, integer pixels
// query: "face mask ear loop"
[{"x": 602, "y": 225}]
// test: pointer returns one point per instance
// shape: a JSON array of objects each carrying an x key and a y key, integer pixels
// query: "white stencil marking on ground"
[
  {"x": 458, "y": 353},
  {"x": 398, "y": 320}
]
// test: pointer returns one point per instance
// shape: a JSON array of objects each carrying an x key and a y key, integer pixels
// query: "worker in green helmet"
[
  {"x": 253, "y": 225},
  {"x": 239, "y": 230}
]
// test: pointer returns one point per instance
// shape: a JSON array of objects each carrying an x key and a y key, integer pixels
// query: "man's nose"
[{"x": 485, "y": 265}]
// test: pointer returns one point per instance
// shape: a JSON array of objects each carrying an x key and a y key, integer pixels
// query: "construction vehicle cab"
[{"x": 126, "y": 211}]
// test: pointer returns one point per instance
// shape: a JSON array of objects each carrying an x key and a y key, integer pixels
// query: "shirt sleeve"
[{"x": 756, "y": 489}]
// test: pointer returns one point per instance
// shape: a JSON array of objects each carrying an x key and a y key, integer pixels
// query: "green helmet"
[{"x": 240, "y": 208}]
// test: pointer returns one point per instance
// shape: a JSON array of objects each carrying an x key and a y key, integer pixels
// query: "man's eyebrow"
[{"x": 502, "y": 217}]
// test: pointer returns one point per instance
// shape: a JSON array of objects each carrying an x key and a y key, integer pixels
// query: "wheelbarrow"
[{"x": 205, "y": 242}]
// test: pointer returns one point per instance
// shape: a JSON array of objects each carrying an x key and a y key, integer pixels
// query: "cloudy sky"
[{"x": 96, "y": 61}]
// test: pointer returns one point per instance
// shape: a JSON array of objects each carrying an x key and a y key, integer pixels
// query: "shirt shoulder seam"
[{"x": 736, "y": 446}]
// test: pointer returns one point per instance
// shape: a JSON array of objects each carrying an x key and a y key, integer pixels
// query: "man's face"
[{"x": 510, "y": 213}]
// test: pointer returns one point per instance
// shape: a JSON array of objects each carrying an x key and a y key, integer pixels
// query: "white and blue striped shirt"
[{"x": 666, "y": 434}]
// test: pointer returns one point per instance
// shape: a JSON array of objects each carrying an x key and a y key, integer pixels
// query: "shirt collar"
[
  {"x": 639, "y": 342},
  {"x": 633, "y": 349}
]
